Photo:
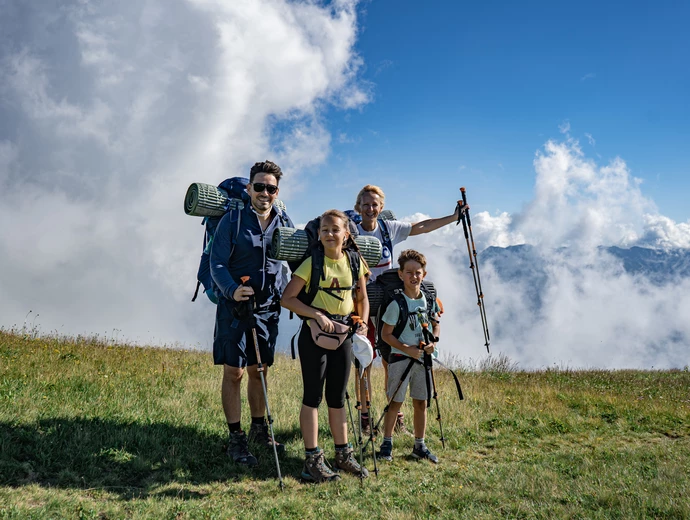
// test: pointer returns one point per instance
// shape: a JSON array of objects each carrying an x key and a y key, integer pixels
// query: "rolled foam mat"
[
  {"x": 207, "y": 200},
  {"x": 290, "y": 244}
]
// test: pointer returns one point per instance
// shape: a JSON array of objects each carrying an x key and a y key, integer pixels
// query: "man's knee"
[
  {"x": 232, "y": 375},
  {"x": 254, "y": 374}
]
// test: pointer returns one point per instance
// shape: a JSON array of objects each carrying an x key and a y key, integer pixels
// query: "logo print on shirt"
[{"x": 385, "y": 257}]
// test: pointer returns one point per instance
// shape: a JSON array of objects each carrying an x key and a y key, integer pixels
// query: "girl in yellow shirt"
[{"x": 320, "y": 365}]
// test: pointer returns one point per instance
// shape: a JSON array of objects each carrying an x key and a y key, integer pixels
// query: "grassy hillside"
[{"x": 89, "y": 430}]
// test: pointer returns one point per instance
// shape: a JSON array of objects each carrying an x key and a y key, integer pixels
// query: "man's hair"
[
  {"x": 268, "y": 167},
  {"x": 411, "y": 254},
  {"x": 369, "y": 188}
]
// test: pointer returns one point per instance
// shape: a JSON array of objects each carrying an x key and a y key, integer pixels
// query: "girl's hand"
[
  {"x": 325, "y": 324},
  {"x": 362, "y": 328}
]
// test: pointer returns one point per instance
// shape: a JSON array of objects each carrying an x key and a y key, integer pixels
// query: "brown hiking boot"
[
  {"x": 400, "y": 426},
  {"x": 316, "y": 469},
  {"x": 345, "y": 461},
  {"x": 258, "y": 434}
]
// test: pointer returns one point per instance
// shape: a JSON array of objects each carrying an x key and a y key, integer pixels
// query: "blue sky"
[{"x": 466, "y": 92}]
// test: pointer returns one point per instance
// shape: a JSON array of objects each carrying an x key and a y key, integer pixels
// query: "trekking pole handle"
[{"x": 244, "y": 279}]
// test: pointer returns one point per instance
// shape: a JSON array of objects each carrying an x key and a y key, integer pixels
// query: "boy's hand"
[
  {"x": 430, "y": 348},
  {"x": 414, "y": 352}
]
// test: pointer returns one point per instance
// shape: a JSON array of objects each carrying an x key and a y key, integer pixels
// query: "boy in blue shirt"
[{"x": 405, "y": 350}]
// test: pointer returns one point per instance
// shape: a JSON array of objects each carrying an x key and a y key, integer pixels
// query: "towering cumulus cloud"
[
  {"x": 108, "y": 110},
  {"x": 563, "y": 299}
]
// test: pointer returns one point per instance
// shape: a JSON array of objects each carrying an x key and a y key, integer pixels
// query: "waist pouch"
[{"x": 330, "y": 340}]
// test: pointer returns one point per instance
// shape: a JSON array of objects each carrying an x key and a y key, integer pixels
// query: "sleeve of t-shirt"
[
  {"x": 399, "y": 231},
  {"x": 390, "y": 317},
  {"x": 304, "y": 271},
  {"x": 363, "y": 270}
]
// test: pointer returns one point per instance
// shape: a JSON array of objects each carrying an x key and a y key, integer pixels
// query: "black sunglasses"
[{"x": 260, "y": 186}]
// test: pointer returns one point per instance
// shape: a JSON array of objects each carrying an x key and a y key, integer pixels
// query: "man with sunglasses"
[{"x": 241, "y": 247}]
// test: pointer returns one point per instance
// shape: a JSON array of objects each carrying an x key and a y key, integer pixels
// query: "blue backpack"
[{"x": 236, "y": 188}]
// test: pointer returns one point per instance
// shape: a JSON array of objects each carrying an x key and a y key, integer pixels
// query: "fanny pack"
[{"x": 331, "y": 340}]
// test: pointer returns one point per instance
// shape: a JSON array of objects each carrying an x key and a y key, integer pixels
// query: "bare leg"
[
  {"x": 419, "y": 417},
  {"x": 363, "y": 390},
  {"x": 337, "y": 420},
  {"x": 391, "y": 417},
  {"x": 255, "y": 392},
  {"x": 309, "y": 424},
  {"x": 230, "y": 393},
  {"x": 385, "y": 373}
]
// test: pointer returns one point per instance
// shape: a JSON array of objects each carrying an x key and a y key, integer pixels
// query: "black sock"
[
  {"x": 340, "y": 447},
  {"x": 234, "y": 427},
  {"x": 259, "y": 420},
  {"x": 311, "y": 451}
]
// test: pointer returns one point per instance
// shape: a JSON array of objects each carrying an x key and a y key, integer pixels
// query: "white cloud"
[
  {"x": 581, "y": 309},
  {"x": 110, "y": 111}
]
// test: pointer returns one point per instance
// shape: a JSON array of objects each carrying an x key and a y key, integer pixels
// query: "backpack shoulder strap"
[
  {"x": 353, "y": 258},
  {"x": 317, "y": 274},
  {"x": 385, "y": 235},
  {"x": 403, "y": 315}
]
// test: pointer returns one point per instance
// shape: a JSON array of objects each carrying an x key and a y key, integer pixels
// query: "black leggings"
[{"x": 319, "y": 365}]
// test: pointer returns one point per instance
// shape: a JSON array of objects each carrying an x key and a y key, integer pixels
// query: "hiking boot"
[
  {"x": 316, "y": 469},
  {"x": 345, "y": 461},
  {"x": 400, "y": 426},
  {"x": 424, "y": 453},
  {"x": 258, "y": 434},
  {"x": 386, "y": 451},
  {"x": 238, "y": 449}
]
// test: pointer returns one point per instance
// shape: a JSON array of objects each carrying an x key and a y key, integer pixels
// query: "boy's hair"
[
  {"x": 268, "y": 167},
  {"x": 411, "y": 254},
  {"x": 369, "y": 188}
]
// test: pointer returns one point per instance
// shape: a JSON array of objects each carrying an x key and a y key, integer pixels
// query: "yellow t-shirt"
[{"x": 337, "y": 273}]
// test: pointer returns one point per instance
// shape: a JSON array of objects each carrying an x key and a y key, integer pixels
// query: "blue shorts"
[{"x": 233, "y": 343}]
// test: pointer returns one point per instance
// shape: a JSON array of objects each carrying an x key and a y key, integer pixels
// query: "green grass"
[{"x": 91, "y": 430}]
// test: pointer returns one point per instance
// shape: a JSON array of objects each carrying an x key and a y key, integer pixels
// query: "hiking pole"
[
  {"x": 352, "y": 419},
  {"x": 472, "y": 252},
  {"x": 359, "y": 409},
  {"x": 371, "y": 426},
  {"x": 260, "y": 370},
  {"x": 388, "y": 405},
  {"x": 429, "y": 365}
]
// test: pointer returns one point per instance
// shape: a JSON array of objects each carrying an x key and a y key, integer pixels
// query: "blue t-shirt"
[{"x": 412, "y": 332}]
